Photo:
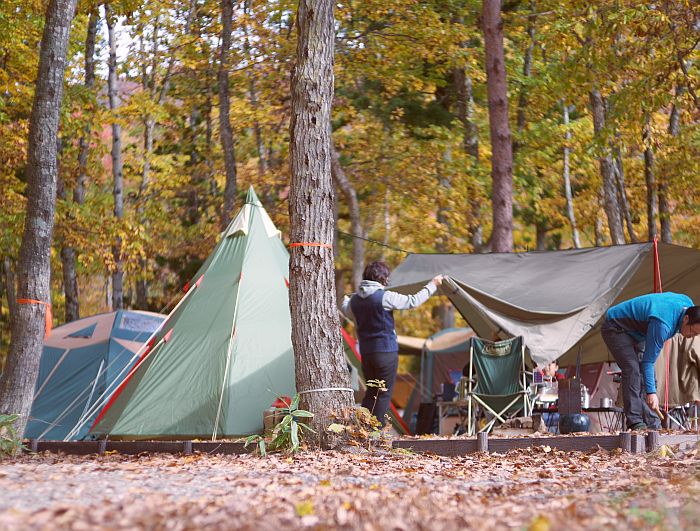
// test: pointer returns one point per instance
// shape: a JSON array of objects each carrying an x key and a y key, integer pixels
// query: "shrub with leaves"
[
  {"x": 356, "y": 427},
  {"x": 10, "y": 442},
  {"x": 288, "y": 434}
]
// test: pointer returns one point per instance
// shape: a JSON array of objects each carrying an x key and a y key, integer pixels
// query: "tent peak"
[{"x": 252, "y": 198}]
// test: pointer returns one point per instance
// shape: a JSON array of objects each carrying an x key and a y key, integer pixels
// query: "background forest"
[{"x": 169, "y": 115}]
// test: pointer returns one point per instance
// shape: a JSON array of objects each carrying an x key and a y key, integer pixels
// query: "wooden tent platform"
[
  {"x": 137, "y": 447},
  {"x": 627, "y": 441}
]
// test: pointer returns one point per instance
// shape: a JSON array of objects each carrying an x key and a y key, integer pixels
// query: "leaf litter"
[{"x": 539, "y": 489}]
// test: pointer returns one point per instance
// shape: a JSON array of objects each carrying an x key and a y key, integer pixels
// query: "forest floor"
[{"x": 538, "y": 489}]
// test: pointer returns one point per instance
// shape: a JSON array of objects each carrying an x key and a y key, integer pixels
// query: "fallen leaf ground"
[{"x": 538, "y": 489}]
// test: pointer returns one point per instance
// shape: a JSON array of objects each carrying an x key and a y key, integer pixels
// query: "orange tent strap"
[{"x": 49, "y": 313}]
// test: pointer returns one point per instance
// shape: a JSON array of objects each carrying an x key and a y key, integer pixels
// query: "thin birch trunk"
[
  {"x": 69, "y": 256},
  {"x": 117, "y": 163},
  {"x": 674, "y": 127},
  {"x": 649, "y": 177},
  {"x": 567, "y": 178},
  {"x": 358, "y": 244},
  {"x": 622, "y": 194}
]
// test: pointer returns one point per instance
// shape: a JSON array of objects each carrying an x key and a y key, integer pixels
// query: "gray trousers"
[{"x": 627, "y": 352}]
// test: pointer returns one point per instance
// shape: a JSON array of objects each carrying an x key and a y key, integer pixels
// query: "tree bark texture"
[
  {"x": 69, "y": 256},
  {"x": 470, "y": 144},
  {"x": 527, "y": 71},
  {"x": 225, "y": 130},
  {"x": 567, "y": 179},
  {"x": 34, "y": 270},
  {"x": 501, "y": 147},
  {"x": 649, "y": 177},
  {"x": 318, "y": 352},
  {"x": 674, "y": 127},
  {"x": 117, "y": 163},
  {"x": 358, "y": 244},
  {"x": 622, "y": 194},
  {"x": 607, "y": 172}
]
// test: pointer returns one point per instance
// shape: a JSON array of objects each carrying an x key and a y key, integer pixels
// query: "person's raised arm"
[
  {"x": 346, "y": 309},
  {"x": 398, "y": 301}
]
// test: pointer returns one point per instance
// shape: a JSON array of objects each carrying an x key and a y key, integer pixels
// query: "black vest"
[{"x": 375, "y": 325}]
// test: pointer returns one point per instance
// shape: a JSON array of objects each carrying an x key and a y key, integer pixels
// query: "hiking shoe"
[{"x": 640, "y": 426}]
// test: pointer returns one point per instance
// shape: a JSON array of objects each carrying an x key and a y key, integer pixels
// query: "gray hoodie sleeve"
[
  {"x": 397, "y": 301},
  {"x": 345, "y": 308}
]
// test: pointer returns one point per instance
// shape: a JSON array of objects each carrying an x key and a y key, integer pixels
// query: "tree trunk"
[
  {"x": 527, "y": 72},
  {"x": 69, "y": 256},
  {"x": 622, "y": 194},
  {"x": 225, "y": 130},
  {"x": 607, "y": 172},
  {"x": 567, "y": 179},
  {"x": 318, "y": 351},
  {"x": 470, "y": 143},
  {"x": 253, "y": 91},
  {"x": 501, "y": 147},
  {"x": 652, "y": 197},
  {"x": 674, "y": 127},
  {"x": 28, "y": 322},
  {"x": 358, "y": 244},
  {"x": 117, "y": 164}
]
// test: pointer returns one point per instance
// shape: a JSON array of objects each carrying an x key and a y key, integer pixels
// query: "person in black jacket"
[{"x": 372, "y": 310}]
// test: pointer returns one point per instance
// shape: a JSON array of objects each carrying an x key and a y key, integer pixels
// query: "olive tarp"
[
  {"x": 225, "y": 352},
  {"x": 554, "y": 299}
]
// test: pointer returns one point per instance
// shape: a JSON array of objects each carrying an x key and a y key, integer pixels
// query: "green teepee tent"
[{"x": 224, "y": 353}]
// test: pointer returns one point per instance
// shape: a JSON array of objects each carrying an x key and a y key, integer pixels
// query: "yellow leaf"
[
  {"x": 305, "y": 508},
  {"x": 540, "y": 523}
]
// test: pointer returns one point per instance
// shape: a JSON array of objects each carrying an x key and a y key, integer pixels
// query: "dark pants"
[
  {"x": 379, "y": 366},
  {"x": 626, "y": 350}
]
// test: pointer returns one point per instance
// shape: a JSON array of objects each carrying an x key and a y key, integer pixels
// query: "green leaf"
[
  {"x": 336, "y": 428},
  {"x": 295, "y": 436},
  {"x": 303, "y": 413}
]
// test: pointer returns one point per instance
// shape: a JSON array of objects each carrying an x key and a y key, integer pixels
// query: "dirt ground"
[{"x": 537, "y": 489}]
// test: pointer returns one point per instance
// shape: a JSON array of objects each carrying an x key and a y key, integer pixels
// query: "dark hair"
[
  {"x": 377, "y": 271},
  {"x": 693, "y": 314}
]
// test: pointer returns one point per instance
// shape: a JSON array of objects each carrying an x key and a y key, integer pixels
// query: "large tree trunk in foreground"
[
  {"x": 318, "y": 351},
  {"x": 225, "y": 129},
  {"x": 69, "y": 256},
  {"x": 34, "y": 271},
  {"x": 607, "y": 172},
  {"x": 501, "y": 148},
  {"x": 358, "y": 244},
  {"x": 117, "y": 164}
]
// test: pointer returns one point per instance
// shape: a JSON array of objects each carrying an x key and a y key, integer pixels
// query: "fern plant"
[
  {"x": 10, "y": 441},
  {"x": 288, "y": 434}
]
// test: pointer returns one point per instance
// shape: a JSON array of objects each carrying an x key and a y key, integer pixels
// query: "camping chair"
[{"x": 496, "y": 381}]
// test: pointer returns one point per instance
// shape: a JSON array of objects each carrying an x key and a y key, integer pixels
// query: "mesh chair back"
[{"x": 498, "y": 366}]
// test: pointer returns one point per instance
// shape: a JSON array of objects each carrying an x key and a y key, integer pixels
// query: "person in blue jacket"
[
  {"x": 641, "y": 326},
  {"x": 372, "y": 310}
]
